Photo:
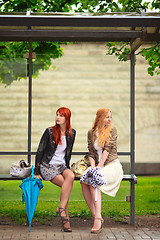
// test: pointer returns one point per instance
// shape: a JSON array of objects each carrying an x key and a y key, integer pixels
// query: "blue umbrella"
[{"x": 31, "y": 188}]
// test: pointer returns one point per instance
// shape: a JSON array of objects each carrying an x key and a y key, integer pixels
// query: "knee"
[{"x": 70, "y": 176}]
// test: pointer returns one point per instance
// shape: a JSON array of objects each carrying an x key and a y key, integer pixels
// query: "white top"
[
  {"x": 59, "y": 155},
  {"x": 98, "y": 148}
]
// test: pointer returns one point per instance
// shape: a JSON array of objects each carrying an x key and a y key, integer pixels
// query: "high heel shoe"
[
  {"x": 65, "y": 229},
  {"x": 102, "y": 221},
  {"x": 59, "y": 211},
  {"x": 63, "y": 219},
  {"x": 101, "y": 227}
]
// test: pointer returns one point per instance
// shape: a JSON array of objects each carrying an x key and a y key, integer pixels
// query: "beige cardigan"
[{"x": 111, "y": 147}]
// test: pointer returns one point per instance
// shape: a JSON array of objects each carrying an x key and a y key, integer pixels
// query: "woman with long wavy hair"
[
  {"x": 102, "y": 148},
  {"x": 53, "y": 158}
]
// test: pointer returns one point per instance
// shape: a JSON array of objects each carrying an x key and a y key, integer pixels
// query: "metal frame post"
[
  {"x": 132, "y": 134},
  {"x": 30, "y": 101}
]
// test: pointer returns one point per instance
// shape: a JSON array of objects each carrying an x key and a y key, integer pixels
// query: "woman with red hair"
[
  {"x": 102, "y": 148},
  {"x": 53, "y": 158}
]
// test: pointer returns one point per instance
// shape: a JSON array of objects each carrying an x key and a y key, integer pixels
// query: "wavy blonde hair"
[{"x": 99, "y": 125}]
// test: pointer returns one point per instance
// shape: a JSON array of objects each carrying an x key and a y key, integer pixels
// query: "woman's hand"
[
  {"x": 38, "y": 176},
  {"x": 100, "y": 165}
]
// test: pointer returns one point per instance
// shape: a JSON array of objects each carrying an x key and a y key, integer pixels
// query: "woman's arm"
[
  {"x": 92, "y": 151},
  {"x": 71, "y": 141},
  {"x": 92, "y": 162},
  {"x": 40, "y": 151},
  {"x": 103, "y": 159}
]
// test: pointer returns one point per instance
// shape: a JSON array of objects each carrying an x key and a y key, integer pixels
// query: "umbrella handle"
[
  {"x": 32, "y": 170},
  {"x": 96, "y": 195}
]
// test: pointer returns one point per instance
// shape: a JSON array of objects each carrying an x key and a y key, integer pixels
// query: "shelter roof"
[{"x": 79, "y": 27}]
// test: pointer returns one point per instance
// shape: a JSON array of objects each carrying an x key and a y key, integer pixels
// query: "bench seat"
[{"x": 130, "y": 178}]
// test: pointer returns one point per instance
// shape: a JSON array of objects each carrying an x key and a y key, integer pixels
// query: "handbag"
[
  {"x": 21, "y": 169},
  {"x": 80, "y": 166}
]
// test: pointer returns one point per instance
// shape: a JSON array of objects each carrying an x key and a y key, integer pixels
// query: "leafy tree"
[
  {"x": 120, "y": 50},
  {"x": 12, "y": 61},
  {"x": 14, "y": 51},
  {"x": 102, "y": 6}
]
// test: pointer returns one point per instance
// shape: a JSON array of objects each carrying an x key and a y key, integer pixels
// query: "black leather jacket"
[{"x": 47, "y": 148}]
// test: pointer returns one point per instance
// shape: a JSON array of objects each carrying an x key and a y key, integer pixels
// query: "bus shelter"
[{"x": 82, "y": 27}]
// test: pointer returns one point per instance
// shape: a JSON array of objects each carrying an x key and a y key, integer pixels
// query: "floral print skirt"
[{"x": 51, "y": 171}]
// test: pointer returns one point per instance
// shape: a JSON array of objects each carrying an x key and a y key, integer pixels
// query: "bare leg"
[
  {"x": 65, "y": 181},
  {"x": 66, "y": 187},
  {"x": 88, "y": 198},
  {"x": 66, "y": 211},
  {"x": 97, "y": 205}
]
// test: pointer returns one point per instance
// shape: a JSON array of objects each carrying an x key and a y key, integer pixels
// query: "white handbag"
[{"x": 21, "y": 169}]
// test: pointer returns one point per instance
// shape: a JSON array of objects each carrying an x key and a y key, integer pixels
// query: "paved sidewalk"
[{"x": 51, "y": 233}]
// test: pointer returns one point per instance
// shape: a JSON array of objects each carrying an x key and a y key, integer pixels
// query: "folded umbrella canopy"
[
  {"x": 31, "y": 188},
  {"x": 93, "y": 176}
]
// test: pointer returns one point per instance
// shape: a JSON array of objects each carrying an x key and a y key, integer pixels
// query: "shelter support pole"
[
  {"x": 132, "y": 141},
  {"x": 30, "y": 101}
]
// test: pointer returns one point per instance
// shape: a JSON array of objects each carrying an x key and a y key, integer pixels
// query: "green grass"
[
  {"x": 9, "y": 190},
  {"x": 147, "y": 201}
]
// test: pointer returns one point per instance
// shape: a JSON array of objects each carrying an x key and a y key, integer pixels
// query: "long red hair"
[
  {"x": 56, "y": 128},
  {"x": 99, "y": 125}
]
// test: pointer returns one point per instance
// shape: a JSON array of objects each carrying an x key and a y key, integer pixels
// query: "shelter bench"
[{"x": 130, "y": 177}]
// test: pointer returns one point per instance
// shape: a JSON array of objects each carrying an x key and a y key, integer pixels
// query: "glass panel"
[
  {"x": 83, "y": 79},
  {"x": 7, "y": 160},
  {"x": 126, "y": 164},
  {"x": 120, "y": 196},
  {"x": 10, "y": 191},
  {"x": 13, "y": 109}
]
